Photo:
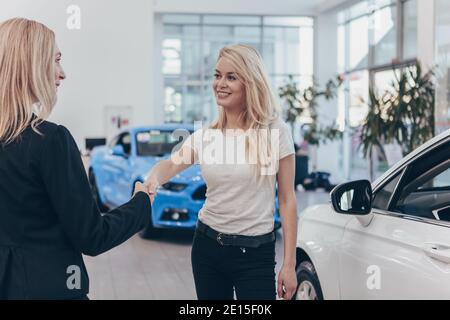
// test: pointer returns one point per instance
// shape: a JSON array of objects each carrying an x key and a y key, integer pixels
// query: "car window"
[
  {"x": 113, "y": 142},
  {"x": 156, "y": 142},
  {"x": 442, "y": 180},
  {"x": 125, "y": 141},
  {"x": 425, "y": 191},
  {"x": 383, "y": 195}
]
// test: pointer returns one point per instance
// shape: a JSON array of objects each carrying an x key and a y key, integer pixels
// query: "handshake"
[{"x": 150, "y": 187}]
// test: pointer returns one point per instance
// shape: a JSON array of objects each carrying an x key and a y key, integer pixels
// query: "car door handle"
[{"x": 437, "y": 252}]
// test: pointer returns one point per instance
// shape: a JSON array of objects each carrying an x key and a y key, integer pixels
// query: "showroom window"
[
  {"x": 191, "y": 44},
  {"x": 442, "y": 9},
  {"x": 375, "y": 37}
]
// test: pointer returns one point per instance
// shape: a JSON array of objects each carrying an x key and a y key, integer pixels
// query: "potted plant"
[
  {"x": 304, "y": 103},
  {"x": 403, "y": 114}
]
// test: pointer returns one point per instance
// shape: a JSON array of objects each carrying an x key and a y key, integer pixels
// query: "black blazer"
[{"x": 48, "y": 217}]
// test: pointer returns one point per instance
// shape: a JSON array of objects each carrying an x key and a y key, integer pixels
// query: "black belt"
[{"x": 225, "y": 239}]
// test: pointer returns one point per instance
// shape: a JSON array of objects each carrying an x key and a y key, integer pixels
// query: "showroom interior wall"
[
  {"x": 325, "y": 61},
  {"x": 108, "y": 62},
  {"x": 333, "y": 157},
  {"x": 325, "y": 66},
  {"x": 426, "y": 41},
  {"x": 330, "y": 155},
  {"x": 115, "y": 59},
  {"x": 326, "y": 49},
  {"x": 249, "y": 7},
  {"x": 442, "y": 14}
]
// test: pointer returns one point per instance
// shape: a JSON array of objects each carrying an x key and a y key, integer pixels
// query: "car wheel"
[
  {"x": 308, "y": 287},
  {"x": 95, "y": 192}
]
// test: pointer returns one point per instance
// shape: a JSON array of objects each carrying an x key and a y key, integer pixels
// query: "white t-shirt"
[{"x": 238, "y": 199}]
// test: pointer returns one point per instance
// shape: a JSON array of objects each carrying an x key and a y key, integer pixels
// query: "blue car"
[{"x": 128, "y": 158}]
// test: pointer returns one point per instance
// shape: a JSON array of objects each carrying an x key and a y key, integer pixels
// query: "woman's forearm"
[
  {"x": 162, "y": 172},
  {"x": 165, "y": 170},
  {"x": 288, "y": 213}
]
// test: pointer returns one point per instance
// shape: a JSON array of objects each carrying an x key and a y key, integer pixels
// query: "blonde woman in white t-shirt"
[{"x": 244, "y": 155}]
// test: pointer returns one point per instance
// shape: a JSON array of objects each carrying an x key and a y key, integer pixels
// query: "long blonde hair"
[
  {"x": 27, "y": 76},
  {"x": 261, "y": 106}
]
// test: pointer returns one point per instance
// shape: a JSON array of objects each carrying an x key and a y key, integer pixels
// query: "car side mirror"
[
  {"x": 119, "y": 151},
  {"x": 353, "y": 198}
]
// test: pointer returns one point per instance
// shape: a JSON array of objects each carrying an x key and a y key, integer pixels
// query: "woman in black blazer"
[{"x": 48, "y": 217}]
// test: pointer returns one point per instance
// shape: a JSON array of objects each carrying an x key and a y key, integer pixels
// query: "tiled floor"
[{"x": 159, "y": 269}]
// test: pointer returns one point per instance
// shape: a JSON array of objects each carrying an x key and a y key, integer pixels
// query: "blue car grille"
[{"x": 200, "y": 193}]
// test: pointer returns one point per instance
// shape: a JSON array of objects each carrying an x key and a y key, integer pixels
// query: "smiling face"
[{"x": 228, "y": 89}]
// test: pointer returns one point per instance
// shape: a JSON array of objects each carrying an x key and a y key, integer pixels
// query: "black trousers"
[{"x": 218, "y": 270}]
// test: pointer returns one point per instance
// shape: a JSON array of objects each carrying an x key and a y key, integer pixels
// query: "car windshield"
[{"x": 158, "y": 143}]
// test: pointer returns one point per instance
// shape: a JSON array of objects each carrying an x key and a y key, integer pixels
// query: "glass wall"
[
  {"x": 384, "y": 28},
  {"x": 442, "y": 10},
  {"x": 374, "y": 38},
  {"x": 191, "y": 44},
  {"x": 410, "y": 29}
]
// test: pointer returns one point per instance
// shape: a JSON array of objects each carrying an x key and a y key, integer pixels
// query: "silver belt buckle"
[{"x": 219, "y": 239}]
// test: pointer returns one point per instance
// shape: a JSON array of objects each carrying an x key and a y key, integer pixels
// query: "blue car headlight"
[{"x": 172, "y": 186}]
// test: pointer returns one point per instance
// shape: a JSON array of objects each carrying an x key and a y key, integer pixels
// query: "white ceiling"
[
  {"x": 275, "y": 7},
  {"x": 319, "y": 6}
]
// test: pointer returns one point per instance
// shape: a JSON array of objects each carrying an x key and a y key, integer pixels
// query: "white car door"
[
  {"x": 392, "y": 259},
  {"x": 117, "y": 187},
  {"x": 404, "y": 253}
]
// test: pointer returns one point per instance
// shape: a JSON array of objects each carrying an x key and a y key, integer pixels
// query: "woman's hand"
[
  {"x": 138, "y": 187},
  {"x": 287, "y": 278},
  {"x": 162, "y": 172},
  {"x": 287, "y": 282},
  {"x": 151, "y": 186}
]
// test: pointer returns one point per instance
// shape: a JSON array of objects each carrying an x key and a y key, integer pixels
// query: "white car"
[{"x": 389, "y": 243}]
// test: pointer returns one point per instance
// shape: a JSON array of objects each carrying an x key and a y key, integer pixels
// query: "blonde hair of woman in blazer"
[{"x": 48, "y": 217}]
